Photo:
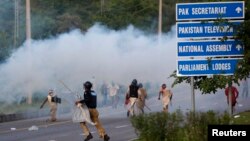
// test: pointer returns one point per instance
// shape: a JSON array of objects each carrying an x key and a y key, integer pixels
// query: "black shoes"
[
  {"x": 88, "y": 137},
  {"x": 127, "y": 113},
  {"x": 106, "y": 137}
]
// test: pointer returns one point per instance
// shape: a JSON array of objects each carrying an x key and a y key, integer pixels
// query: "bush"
[{"x": 176, "y": 126}]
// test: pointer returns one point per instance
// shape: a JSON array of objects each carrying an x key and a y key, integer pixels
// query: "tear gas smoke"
[{"x": 98, "y": 55}]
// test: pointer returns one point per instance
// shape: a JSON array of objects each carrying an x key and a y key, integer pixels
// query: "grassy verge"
[
  {"x": 242, "y": 118},
  {"x": 14, "y": 108},
  {"x": 179, "y": 126}
]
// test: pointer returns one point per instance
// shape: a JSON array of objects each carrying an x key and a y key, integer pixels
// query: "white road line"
[
  {"x": 133, "y": 139},
  {"x": 121, "y": 126},
  {"x": 42, "y": 125},
  {"x": 93, "y": 132}
]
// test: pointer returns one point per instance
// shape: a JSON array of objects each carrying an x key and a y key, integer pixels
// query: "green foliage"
[
  {"x": 157, "y": 126},
  {"x": 196, "y": 124},
  {"x": 118, "y": 14},
  {"x": 176, "y": 126},
  {"x": 243, "y": 118},
  {"x": 17, "y": 108}
]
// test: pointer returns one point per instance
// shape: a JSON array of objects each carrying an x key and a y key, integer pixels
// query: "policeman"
[{"x": 90, "y": 99}]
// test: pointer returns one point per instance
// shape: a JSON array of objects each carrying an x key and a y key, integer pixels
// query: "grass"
[
  {"x": 18, "y": 108},
  {"x": 181, "y": 126},
  {"x": 242, "y": 118},
  {"x": 24, "y": 107}
]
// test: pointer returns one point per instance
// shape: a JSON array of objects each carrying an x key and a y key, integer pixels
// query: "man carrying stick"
[{"x": 52, "y": 100}]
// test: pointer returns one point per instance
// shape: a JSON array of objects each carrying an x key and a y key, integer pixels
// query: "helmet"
[
  {"x": 134, "y": 82},
  {"x": 87, "y": 85},
  {"x": 163, "y": 85},
  {"x": 51, "y": 91},
  {"x": 140, "y": 85}
]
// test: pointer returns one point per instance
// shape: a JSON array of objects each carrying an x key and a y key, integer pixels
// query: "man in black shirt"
[
  {"x": 90, "y": 99},
  {"x": 133, "y": 95}
]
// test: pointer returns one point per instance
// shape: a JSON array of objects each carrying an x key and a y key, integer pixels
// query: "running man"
[
  {"x": 166, "y": 97},
  {"x": 132, "y": 93},
  {"x": 142, "y": 95},
  {"x": 90, "y": 99}
]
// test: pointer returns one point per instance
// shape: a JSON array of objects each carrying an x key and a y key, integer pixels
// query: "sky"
[{"x": 97, "y": 55}]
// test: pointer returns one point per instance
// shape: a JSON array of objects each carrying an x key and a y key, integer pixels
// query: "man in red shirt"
[{"x": 235, "y": 94}]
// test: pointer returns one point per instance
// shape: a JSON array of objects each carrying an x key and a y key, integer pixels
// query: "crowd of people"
[{"x": 134, "y": 98}]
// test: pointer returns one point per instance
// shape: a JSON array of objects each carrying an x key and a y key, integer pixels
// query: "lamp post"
[
  {"x": 160, "y": 20},
  {"x": 16, "y": 29},
  {"x": 28, "y": 28},
  {"x": 102, "y": 4},
  {"x": 28, "y": 41}
]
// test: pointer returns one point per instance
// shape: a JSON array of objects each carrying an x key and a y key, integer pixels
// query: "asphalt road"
[
  {"x": 119, "y": 129},
  {"x": 115, "y": 122}
]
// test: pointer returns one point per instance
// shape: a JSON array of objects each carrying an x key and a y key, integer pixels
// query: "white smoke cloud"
[{"x": 75, "y": 57}]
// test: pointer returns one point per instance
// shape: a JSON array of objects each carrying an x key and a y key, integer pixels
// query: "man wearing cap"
[{"x": 52, "y": 104}]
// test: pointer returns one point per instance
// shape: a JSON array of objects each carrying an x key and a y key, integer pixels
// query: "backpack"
[{"x": 56, "y": 99}]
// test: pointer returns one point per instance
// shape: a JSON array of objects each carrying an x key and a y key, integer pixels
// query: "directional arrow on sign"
[
  {"x": 238, "y": 9},
  {"x": 239, "y": 47}
]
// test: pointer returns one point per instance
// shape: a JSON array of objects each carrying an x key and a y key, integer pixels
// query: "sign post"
[
  {"x": 204, "y": 67},
  {"x": 209, "y": 48},
  {"x": 210, "y": 10},
  {"x": 197, "y": 30},
  {"x": 199, "y": 37}
]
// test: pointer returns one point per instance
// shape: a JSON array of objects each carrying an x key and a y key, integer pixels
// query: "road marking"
[
  {"x": 26, "y": 128},
  {"x": 93, "y": 132},
  {"x": 121, "y": 126},
  {"x": 133, "y": 139}
]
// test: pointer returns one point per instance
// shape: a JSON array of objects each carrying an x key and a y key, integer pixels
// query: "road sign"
[
  {"x": 210, "y": 10},
  {"x": 207, "y": 67},
  {"x": 206, "y": 29},
  {"x": 211, "y": 48}
]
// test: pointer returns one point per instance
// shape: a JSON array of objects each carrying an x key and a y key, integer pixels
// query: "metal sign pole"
[
  {"x": 192, "y": 94},
  {"x": 230, "y": 110}
]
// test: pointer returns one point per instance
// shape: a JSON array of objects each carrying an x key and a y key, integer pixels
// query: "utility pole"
[
  {"x": 28, "y": 40},
  {"x": 28, "y": 28},
  {"x": 160, "y": 20},
  {"x": 16, "y": 28},
  {"x": 102, "y": 4}
]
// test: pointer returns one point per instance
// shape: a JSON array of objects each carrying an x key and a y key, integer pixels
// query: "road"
[
  {"x": 119, "y": 129},
  {"x": 115, "y": 122}
]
